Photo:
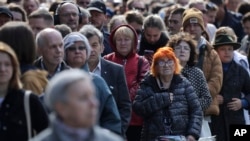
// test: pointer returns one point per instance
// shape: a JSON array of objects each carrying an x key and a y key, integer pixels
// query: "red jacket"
[{"x": 133, "y": 75}]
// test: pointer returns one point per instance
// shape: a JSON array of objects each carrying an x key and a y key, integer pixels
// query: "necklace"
[{"x": 162, "y": 85}]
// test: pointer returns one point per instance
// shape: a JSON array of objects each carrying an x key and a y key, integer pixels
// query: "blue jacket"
[{"x": 109, "y": 116}]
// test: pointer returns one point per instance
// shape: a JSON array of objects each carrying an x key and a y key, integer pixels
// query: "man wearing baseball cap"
[
  {"x": 208, "y": 60},
  {"x": 5, "y": 15},
  {"x": 97, "y": 9}
]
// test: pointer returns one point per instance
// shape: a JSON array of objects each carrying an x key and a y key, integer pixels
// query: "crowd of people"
[{"x": 128, "y": 70}]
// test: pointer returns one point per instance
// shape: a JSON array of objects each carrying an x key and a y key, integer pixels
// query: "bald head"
[
  {"x": 69, "y": 15},
  {"x": 43, "y": 36}
]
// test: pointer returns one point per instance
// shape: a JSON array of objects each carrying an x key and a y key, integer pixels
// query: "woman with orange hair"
[{"x": 167, "y": 101}]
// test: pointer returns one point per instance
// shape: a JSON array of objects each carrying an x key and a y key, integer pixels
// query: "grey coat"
[
  {"x": 185, "y": 111},
  {"x": 55, "y": 133}
]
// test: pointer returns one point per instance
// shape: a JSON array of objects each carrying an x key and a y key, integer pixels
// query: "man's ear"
[
  {"x": 60, "y": 109},
  {"x": 38, "y": 51}
]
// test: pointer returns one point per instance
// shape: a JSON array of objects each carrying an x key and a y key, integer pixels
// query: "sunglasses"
[
  {"x": 80, "y": 48},
  {"x": 139, "y": 9}
]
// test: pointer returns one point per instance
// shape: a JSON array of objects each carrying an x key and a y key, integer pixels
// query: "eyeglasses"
[
  {"x": 167, "y": 63},
  {"x": 80, "y": 48},
  {"x": 139, "y": 9},
  {"x": 69, "y": 14}
]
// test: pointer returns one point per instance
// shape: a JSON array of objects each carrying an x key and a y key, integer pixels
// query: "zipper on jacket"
[{"x": 124, "y": 62}]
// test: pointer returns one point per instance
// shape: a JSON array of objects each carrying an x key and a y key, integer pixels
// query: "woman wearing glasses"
[
  {"x": 167, "y": 101},
  {"x": 77, "y": 53},
  {"x": 185, "y": 50}
]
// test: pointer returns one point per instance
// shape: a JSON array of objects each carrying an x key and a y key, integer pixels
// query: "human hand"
[
  {"x": 190, "y": 138},
  {"x": 220, "y": 99},
  {"x": 235, "y": 105}
]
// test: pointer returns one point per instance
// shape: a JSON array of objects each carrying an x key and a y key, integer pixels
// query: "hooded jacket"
[{"x": 130, "y": 64}]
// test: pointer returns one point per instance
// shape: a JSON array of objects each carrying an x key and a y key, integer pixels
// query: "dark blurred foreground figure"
[
  {"x": 13, "y": 122},
  {"x": 71, "y": 97},
  {"x": 167, "y": 101}
]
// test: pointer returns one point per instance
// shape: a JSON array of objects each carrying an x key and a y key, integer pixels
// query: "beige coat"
[{"x": 212, "y": 69}]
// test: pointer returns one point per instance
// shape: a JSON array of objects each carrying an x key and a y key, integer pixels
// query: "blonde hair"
[
  {"x": 15, "y": 82},
  {"x": 165, "y": 52},
  {"x": 35, "y": 80},
  {"x": 126, "y": 31}
]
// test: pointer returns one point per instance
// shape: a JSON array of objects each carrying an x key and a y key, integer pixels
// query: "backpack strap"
[
  {"x": 27, "y": 111},
  {"x": 201, "y": 56}
]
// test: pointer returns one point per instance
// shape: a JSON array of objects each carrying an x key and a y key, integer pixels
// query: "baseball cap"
[
  {"x": 6, "y": 11},
  {"x": 97, "y": 5}
]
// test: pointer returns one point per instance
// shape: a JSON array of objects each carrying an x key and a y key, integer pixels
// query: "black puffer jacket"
[{"x": 185, "y": 110}]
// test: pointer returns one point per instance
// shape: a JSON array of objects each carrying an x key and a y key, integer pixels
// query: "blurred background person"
[
  {"x": 243, "y": 8},
  {"x": 30, "y": 5},
  {"x": 245, "y": 42},
  {"x": 39, "y": 20},
  {"x": 5, "y": 15},
  {"x": 12, "y": 112},
  {"x": 135, "y": 19},
  {"x": 212, "y": 10},
  {"x": 175, "y": 21},
  {"x": 83, "y": 3},
  {"x": 139, "y": 5},
  {"x": 19, "y": 36},
  {"x": 68, "y": 13},
  {"x": 70, "y": 96},
  {"x": 225, "y": 17},
  {"x": 154, "y": 36},
  {"x": 63, "y": 29},
  {"x": 85, "y": 15},
  {"x": 116, "y": 21},
  {"x": 19, "y": 14}
]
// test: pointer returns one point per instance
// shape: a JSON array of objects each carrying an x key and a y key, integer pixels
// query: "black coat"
[
  {"x": 144, "y": 45},
  {"x": 13, "y": 125},
  {"x": 152, "y": 103},
  {"x": 115, "y": 78},
  {"x": 235, "y": 81}
]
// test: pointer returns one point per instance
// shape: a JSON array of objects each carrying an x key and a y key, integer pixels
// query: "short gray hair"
[
  {"x": 90, "y": 31},
  {"x": 56, "y": 90},
  {"x": 41, "y": 36}
]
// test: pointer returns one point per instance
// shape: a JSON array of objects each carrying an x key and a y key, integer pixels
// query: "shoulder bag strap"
[
  {"x": 201, "y": 56},
  {"x": 140, "y": 61},
  {"x": 27, "y": 111}
]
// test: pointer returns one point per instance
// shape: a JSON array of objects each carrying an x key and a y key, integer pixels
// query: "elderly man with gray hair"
[
  {"x": 77, "y": 53},
  {"x": 50, "y": 46},
  {"x": 70, "y": 95}
]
